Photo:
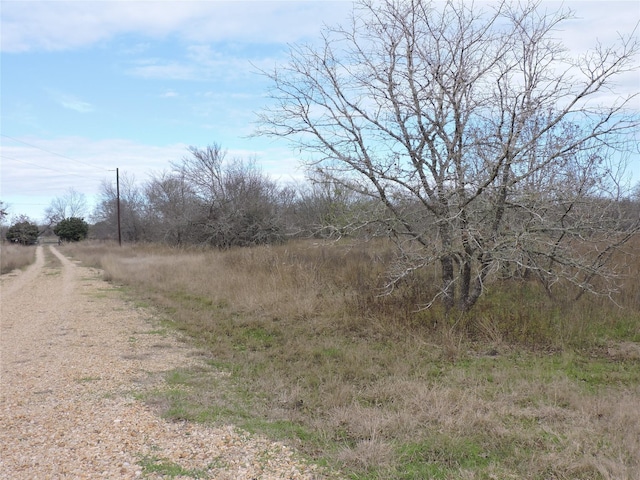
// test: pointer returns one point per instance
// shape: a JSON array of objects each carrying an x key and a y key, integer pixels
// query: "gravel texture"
[{"x": 73, "y": 354}]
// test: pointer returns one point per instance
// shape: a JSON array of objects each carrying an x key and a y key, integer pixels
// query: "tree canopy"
[
  {"x": 24, "y": 232},
  {"x": 485, "y": 146},
  {"x": 72, "y": 229}
]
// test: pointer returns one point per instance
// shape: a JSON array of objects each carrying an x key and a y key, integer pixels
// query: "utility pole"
[{"x": 118, "y": 197}]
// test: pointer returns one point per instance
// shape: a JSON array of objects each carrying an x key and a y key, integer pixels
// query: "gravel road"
[{"x": 73, "y": 354}]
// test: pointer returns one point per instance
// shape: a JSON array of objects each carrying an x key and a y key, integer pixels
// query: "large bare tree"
[{"x": 488, "y": 144}]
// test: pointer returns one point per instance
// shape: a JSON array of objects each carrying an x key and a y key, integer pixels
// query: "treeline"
[{"x": 208, "y": 199}]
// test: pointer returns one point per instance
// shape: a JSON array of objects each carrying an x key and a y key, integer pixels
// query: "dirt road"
[{"x": 73, "y": 355}]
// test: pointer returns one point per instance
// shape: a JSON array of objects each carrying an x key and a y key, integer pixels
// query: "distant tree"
[
  {"x": 486, "y": 144},
  {"x": 327, "y": 209},
  {"x": 4, "y": 211},
  {"x": 72, "y": 229},
  {"x": 70, "y": 205},
  {"x": 131, "y": 211},
  {"x": 171, "y": 207},
  {"x": 23, "y": 231}
]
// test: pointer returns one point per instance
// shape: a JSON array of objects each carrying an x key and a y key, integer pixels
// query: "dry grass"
[
  {"x": 14, "y": 256},
  {"x": 521, "y": 388}
]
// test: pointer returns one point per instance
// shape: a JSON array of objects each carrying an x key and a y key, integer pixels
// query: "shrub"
[
  {"x": 72, "y": 229},
  {"x": 23, "y": 232}
]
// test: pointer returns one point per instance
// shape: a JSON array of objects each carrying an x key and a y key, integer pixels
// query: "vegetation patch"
[
  {"x": 528, "y": 389},
  {"x": 168, "y": 469},
  {"x": 13, "y": 257}
]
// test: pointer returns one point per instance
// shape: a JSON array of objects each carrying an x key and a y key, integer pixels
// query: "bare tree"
[
  {"x": 105, "y": 215},
  {"x": 171, "y": 208},
  {"x": 326, "y": 209},
  {"x": 238, "y": 204},
  {"x": 203, "y": 170},
  {"x": 71, "y": 204},
  {"x": 487, "y": 144},
  {"x": 4, "y": 211},
  {"x": 636, "y": 193}
]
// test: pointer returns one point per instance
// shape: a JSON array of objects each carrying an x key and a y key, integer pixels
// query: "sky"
[{"x": 90, "y": 86}]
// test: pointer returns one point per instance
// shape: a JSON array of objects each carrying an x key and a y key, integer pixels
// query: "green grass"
[
  {"x": 595, "y": 373},
  {"x": 300, "y": 347},
  {"x": 152, "y": 464},
  {"x": 437, "y": 456}
]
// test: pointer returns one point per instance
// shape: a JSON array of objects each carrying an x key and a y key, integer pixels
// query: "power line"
[
  {"x": 52, "y": 152},
  {"x": 47, "y": 168}
]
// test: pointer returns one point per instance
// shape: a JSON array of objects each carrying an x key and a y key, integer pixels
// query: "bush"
[
  {"x": 23, "y": 232},
  {"x": 72, "y": 229}
]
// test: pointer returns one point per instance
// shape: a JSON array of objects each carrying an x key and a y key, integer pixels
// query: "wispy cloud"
[
  {"x": 70, "y": 102},
  {"x": 165, "y": 69},
  {"x": 194, "y": 62}
]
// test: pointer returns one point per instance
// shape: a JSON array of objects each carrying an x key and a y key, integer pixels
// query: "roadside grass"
[
  {"x": 301, "y": 346},
  {"x": 14, "y": 257},
  {"x": 167, "y": 469}
]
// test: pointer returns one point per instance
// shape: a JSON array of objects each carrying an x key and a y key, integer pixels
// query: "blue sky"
[{"x": 88, "y": 86}]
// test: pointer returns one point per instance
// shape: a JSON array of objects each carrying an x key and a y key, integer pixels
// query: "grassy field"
[
  {"x": 521, "y": 388},
  {"x": 15, "y": 256}
]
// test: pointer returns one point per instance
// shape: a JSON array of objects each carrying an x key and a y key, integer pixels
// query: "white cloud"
[
  {"x": 63, "y": 25},
  {"x": 602, "y": 21},
  {"x": 198, "y": 63},
  {"x": 38, "y": 166},
  {"x": 35, "y": 172}
]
